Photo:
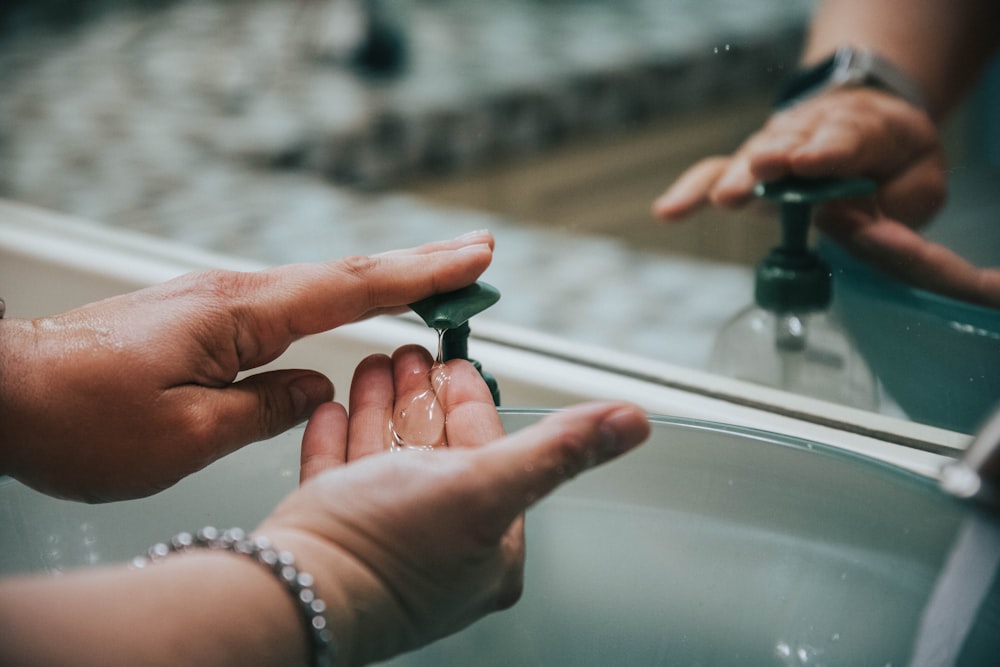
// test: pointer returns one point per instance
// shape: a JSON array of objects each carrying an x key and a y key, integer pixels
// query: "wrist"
[
  {"x": 280, "y": 564},
  {"x": 365, "y": 622},
  {"x": 334, "y": 576},
  {"x": 238, "y": 613}
]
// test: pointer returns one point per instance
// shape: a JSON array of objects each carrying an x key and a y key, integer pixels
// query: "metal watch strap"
[{"x": 850, "y": 67}]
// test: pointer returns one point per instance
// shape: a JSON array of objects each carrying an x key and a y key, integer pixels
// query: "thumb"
[
  {"x": 526, "y": 466},
  {"x": 263, "y": 405}
]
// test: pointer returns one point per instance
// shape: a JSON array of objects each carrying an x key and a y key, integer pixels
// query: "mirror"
[{"x": 296, "y": 131}]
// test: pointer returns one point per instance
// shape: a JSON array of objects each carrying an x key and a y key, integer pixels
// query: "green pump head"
[
  {"x": 450, "y": 312},
  {"x": 792, "y": 278},
  {"x": 453, "y": 309}
]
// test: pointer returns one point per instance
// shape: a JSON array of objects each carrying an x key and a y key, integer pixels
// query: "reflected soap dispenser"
[
  {"x": 787, "y": 338},
  {"x": 449, "y": 315}
]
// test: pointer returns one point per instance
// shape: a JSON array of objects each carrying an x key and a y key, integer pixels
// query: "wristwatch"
[{"x": 850, "y": 67}]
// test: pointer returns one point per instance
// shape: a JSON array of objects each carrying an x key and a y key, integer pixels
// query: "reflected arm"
[{"x": 943, "y": 44}]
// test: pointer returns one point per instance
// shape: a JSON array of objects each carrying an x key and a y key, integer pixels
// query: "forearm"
[
  {"x": 206, "y": 608},
  {"x": 943, "y": 44}
]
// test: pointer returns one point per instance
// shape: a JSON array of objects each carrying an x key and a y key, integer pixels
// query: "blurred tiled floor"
[{"x": 181, "y": 123}]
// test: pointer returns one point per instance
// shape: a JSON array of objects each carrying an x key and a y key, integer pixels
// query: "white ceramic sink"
[{"x": 712, "y": 544}]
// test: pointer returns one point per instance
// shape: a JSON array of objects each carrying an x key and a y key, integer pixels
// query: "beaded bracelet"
[{"x": 280, "y": 563}]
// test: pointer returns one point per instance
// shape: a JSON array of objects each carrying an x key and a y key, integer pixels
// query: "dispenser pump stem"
[
  {"x": 795, "y": 218},
  {"x": 792, "y": 278},
  {"x": 450, "y": 313}
]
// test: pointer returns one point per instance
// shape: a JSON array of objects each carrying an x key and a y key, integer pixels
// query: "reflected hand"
[
  {"x": 124, "y": 397},
  {"x": 849, "y": 133},
  {"x": 903, "y": 253},
  {"x": 411, "y": 546}
]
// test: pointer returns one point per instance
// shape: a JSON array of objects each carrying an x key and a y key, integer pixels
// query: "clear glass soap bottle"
[{"x": 787, "y": 338}]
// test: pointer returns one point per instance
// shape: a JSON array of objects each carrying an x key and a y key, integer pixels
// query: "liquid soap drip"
[{"x": 419, "y": 423}]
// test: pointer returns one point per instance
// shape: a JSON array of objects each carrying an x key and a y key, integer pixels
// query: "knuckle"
[
  {"x": 358, "y": 270},
  {"x": 271, "y": 412},
  {"x": 219, "y": 283},
  {"x": 569, "y": 454},
  {"x": 198, "y": 429},
  {"x": 357, "y": 266}
]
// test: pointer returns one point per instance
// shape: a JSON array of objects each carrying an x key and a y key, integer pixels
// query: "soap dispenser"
[
  {"x": 449, "y": 315},
  {"x": 787, "y": 338}
]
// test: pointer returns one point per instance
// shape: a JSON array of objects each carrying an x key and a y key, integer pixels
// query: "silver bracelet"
[{"x": 280, "y": 563}]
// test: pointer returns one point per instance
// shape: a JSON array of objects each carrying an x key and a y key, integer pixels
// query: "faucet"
[
  {"x": 962, "y": 592},
  {"x": 976, "y": 475}
]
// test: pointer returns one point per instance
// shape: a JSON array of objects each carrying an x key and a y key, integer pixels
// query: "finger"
[
  {"x": 371, "y": 404},
  {"x": 418, "y": 418},
  {"x": 877, "y": 134},
  {"x": 905, "y": 254},
  {"x": 914, "y": 195},
  {"x": 222, "y": 420},
  {"x": 690, "y": 191},
  {"x": 287, "y": 302},
  {"x": 256, "y": 408},
  {"x": 363, "y": 286},
  {"x": 849, "y": 132},
  {"x": 411, "y": 365},
  {"x": 524, "y": 467},
  {"x": 734, "y": 187},
  {"x": 794, "y": 151},
  {"x": 808, "y": 140},
  {"x": 324, "y": 443},
  {"x": 473, "y": 419},
  {"x": 473, "y": 237}
]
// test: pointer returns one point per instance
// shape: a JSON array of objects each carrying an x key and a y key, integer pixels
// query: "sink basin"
[
  {"x": 712, "y": 544},
  {"x": 936, "y": 356}
]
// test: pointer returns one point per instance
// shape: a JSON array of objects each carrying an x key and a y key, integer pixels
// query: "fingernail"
[
  {"x": 621, "y": 431},
  {"x": 471, "y": 235},
  {"x": 476, "y": 248}
]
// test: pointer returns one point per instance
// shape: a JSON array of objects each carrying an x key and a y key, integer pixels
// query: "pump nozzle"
[
  {"x": 792, "y": 277},
  {"x": 450, "y": 312}
]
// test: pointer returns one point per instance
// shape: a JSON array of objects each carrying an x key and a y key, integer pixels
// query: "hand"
[
  {"x": 856, "y": 132},
  {"x": 851, "y": 133},
  {"x": 410, "y": 546},
  {"x": 905, "y": 254},
  {"x": 124, "y": 397}
]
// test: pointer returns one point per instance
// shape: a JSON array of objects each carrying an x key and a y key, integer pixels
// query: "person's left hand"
[
  {"x": 124, "y": 397},
  {"x": 407, "y": 547},
  {"x": 462, "y": 413}
]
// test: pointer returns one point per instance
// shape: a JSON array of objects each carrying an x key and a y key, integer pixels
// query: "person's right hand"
[
  {"x": 407, "y": 547},
  {"x": 123, "y": 397}
]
